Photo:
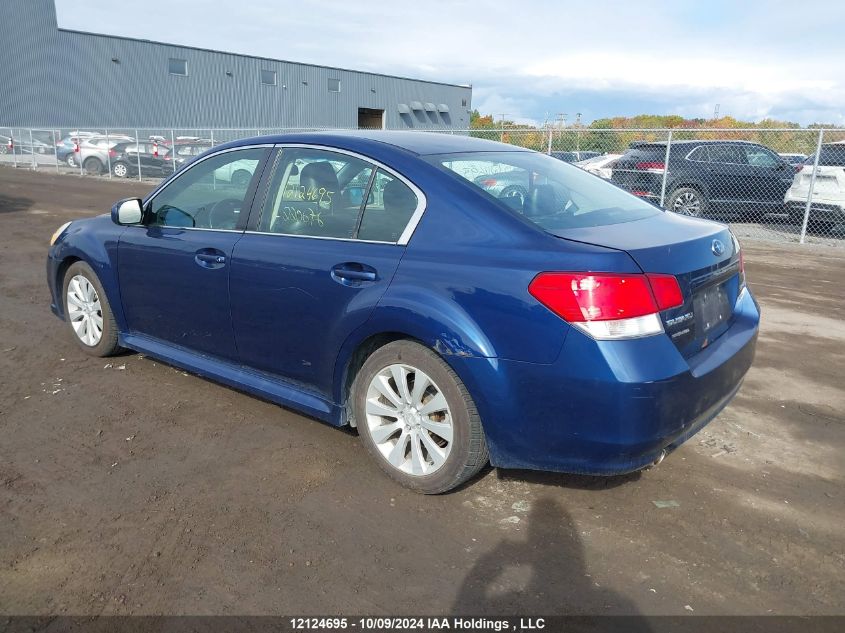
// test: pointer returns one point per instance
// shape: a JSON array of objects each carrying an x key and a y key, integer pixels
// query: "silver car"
[{"x": 94, "y": 151}]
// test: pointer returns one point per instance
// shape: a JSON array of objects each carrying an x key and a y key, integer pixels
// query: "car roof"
[{"x": 419, "y": 143}]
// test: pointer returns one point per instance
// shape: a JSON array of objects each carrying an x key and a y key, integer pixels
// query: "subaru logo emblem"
[{"x": 717, "y": 247}]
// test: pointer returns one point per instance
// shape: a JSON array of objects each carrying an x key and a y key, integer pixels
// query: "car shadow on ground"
[
  {"x": 543, "y": 573},
  {"x": 9, "y": 204}
]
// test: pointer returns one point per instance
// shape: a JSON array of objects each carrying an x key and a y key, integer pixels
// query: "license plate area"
[{"x": 712, "y": 309}]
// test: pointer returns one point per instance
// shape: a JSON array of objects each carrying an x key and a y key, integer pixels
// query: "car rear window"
[{"x": 548, "y": 192}]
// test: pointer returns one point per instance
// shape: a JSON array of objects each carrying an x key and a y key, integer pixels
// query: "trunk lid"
[{"x": 702, "y": 255}]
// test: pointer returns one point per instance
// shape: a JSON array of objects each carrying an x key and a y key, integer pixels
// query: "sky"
[{"x": 534, "y": 59}]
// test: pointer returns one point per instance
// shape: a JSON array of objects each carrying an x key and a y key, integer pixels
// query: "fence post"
[
  {"x": 14, "y": 147},
  {"x": 32, "y": 150},
  {"x": 79, "y": 153},
  {"x": 173, "y": 150},
  {"x": 211, "y": 136},
  {"x": 549, "y": 152},
  {"x": 665, "y": 169},
  {"x": 812, "y": 186},
  {"x": 56, "y": 148},
  {"x": 138, "y": 153},
  {"x": 108, "y": 153}
]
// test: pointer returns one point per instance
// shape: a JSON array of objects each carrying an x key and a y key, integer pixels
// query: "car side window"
[
  {"x": 389, "y": 208},
  {"x": 209, "y": 195},
  {"x": 727, "y": 154},
  {"x": 761, "y": 157},
  {"x": 315, "y": 192}
]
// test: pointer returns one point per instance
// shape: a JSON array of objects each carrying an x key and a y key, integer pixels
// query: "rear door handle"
[{"x": 353, "y": 273}]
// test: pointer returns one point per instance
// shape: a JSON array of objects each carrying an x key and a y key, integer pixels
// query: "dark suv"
[
  {"x": 154, "y": 160},
  {"x": 707, "y": 176}
]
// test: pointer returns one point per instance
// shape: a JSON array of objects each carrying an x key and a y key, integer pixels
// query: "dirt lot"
[{"x": 130, "y": 487}]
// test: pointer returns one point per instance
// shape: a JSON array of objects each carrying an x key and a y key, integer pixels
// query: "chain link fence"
[{"x": 783, "y": 185}]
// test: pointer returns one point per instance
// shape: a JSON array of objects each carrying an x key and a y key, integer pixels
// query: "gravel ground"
[{"x": 130, "y": 487}]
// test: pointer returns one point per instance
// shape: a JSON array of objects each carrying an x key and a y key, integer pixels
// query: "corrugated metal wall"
[{"x": 59, "y": 78}]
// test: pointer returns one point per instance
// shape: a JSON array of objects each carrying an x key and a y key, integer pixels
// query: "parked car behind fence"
[{"x": 705, "y": 177}]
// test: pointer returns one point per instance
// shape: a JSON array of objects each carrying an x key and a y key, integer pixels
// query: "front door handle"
[
  {"x": 353, "y": 274},
  {"x": 210, "y": 258}
]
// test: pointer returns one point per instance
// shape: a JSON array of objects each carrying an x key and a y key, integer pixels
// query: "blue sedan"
[{"x": 370, "y": 279}]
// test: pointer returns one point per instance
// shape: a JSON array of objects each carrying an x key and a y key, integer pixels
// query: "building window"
[
  {"x": 268, "y": 77},
  {"x": 334, "y": 85},
  {"x": 177, "y": 66},
  {"x": 464, "y": 103}
]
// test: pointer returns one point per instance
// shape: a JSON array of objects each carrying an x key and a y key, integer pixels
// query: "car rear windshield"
[{"x": 552, "y": 194}]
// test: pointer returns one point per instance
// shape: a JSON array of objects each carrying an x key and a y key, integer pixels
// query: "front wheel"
[
  {"x": 87, "y": 311},
  {"x": 417, "y": 420},
  {"x": 687, "y": 201},
  {"x": 93, "y": 166}
]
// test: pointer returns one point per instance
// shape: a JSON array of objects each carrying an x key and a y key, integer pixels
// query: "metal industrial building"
[{"x": 59, "y": 78}]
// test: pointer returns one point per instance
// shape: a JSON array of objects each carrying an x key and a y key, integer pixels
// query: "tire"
[
  {"x": 93, "y": 166},
  {"x": 461, "y": 450},
  {"x": 687, "y": 201},
  {"x": 70, "y": 160},
  {"x": 241, "y": 177},
  {"x": 120, "y": 170},
  {"x": 79, "y": 302}
]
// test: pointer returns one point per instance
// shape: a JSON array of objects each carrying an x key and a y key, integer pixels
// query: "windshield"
[{"x": 546, "y": 191}]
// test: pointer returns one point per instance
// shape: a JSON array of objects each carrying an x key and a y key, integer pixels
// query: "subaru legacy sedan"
[{"x": 367, "y": 279}]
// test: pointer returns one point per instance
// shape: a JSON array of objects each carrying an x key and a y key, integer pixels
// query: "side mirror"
[{"x": 127, "y": 211}]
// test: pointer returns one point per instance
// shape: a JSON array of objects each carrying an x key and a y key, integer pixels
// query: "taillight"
[
  {"x": 489, "y": 182},
  {"x": 112, "y": 153},
  {"x": 652, "y": 166},
  {"x": 608, "y": 305}
]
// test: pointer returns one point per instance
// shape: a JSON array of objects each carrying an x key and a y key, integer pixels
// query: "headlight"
[{"x": 58, "y": 232}]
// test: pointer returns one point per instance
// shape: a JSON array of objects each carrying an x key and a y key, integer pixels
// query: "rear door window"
[
  {"x": 732, "y": 154},
  {"x": 699, "y": 154},
  {"x": 315, "y": 193},
  {"x": 761, "y": 157}
]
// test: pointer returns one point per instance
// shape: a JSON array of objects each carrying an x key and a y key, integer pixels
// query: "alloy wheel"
[
  {"x": 84, "y": 310},
  {"x": 687, "y": 203},
  {"x": 409, "y": 420},
  {"x": 120, "y": 170}
]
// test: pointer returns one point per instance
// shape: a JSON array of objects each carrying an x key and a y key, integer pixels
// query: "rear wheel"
[
  {"x": 93, "y": 166},
  {"x": 87, "y": 311},
  {"x": 417, "y": 420},
  {"x": 120, "y": 170},
  {"x": 71, "y": 160},
  {"x": 687, "y": 201}
]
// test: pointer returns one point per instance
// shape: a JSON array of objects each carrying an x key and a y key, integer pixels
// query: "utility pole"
[{"x": 716, "y": 112}]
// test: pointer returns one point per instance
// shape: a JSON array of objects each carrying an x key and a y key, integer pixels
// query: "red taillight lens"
[
  {"x": 581, "y": 297},
  {"x": 667, "y": 292},
  {"x": 112, "y": 153},
  {"x": 489, "y": 182},
  {"x": 651, "y": 165}
]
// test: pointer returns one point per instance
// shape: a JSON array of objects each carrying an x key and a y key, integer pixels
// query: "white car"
[
  {"x": 601, "y": 166},
  {"x": 828, "y": 203}
]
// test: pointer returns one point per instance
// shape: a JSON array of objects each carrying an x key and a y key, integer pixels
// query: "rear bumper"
[
  {"x": 608, "y": 407},
  {"x": 821, "y": 209}
]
